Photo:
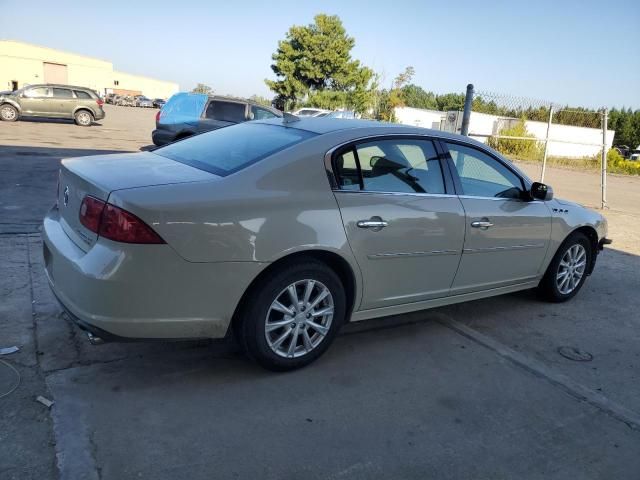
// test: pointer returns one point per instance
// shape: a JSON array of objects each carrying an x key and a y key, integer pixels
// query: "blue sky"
[{"x": 577, "y": 52}]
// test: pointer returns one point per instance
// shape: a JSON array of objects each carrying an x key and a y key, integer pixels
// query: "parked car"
[
  {"x": 80, "y": 104},
  {"x": 343, "y": 114},
  {"x": 143, "y": 102},
  {"x": 109, "y": 98},
  {"x": 126, "y": 101},
  {"x": 280, "y": 231},
  {"x": 158, "y": 102},
  {"x": 187, "y": 114},
  {"x": 311, "y": 112},
  {"x": 634, "y": 155}
]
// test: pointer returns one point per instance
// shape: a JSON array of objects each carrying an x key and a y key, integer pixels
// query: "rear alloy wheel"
[
  {"x": 291, "y": 319},
  {"x": 8, "y": 113},
  {"x": 568, "y": 269},
  {"x": 83, "y": 118}
]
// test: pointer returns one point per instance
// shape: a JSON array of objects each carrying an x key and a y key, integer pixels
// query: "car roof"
[
  {"x": 61, "y": 85},
  {"x": 324, "y": 125}
]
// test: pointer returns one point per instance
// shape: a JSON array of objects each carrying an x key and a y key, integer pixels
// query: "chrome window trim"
[
  {"x": 412, "y": 194},
  {"x": 328, "y": 159}
]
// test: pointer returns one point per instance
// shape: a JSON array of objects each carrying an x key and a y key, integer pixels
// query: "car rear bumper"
[
  {"x": 126, "y": 291},
  {"x": 162, "y": 137}
]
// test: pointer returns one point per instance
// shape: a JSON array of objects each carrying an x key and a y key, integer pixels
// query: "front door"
[
  {"x": 404, "y": 227},
  {"x": 34, "y": 101},
  {"x": 507, "y": 234}
]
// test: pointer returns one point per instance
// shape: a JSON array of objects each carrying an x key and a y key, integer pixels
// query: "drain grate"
[{"x": 575, "y": 354}]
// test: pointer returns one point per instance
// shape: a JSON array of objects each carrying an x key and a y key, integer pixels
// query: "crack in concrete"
[{"x": 578, "y": 391}]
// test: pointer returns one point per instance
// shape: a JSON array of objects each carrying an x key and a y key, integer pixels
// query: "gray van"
[{"x": 187, "y": 114}]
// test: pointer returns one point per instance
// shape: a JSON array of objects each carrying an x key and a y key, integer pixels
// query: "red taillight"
[
  {"x": 158, "y": 116},
  {"x": 100, "y": 102},
  {"x": 114, "y": 223},
  {"x": 90, "y": 213},
  {"x": 121, "y": 226}
]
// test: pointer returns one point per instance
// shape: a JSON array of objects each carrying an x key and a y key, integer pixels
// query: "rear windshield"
[
  {"x": 229, "y": 149},
  {"x": 183, "y": 107}
]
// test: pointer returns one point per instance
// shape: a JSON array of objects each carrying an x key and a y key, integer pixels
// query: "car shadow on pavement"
[
  {"x": 65, "y": 121},
  {"x": 28, "y": 179}
]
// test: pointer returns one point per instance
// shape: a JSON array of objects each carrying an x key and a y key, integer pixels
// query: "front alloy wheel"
[
  {"x": 567, "y": 271},
  {"x": 290, "y": 317},
  {"x": 571, "y": 269},
  {"x": 8, "y": 113}
]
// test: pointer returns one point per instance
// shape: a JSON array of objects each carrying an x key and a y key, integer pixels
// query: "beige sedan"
[{"x": 280, "y": 231}]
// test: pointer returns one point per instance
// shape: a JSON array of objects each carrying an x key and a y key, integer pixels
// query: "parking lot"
[{"x": 507, "y": 387}]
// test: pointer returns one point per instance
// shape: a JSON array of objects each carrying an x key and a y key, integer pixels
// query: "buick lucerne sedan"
[{"x": 279, "y": 231}]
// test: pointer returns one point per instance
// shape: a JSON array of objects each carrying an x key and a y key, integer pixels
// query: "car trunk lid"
[{"x": 100, "y": 175}]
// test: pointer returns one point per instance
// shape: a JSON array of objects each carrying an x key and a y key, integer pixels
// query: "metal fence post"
[
  {"x": 603, "y": 182},
  {"x": 546, "y": 145},
  {"x": 466, "y": 114}
]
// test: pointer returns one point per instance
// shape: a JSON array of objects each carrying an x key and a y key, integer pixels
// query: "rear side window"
[
  {"x": 62, "y": 93},
  {"x": 227, "y": 150},
  {"x": 226, "y": 111},
  {"x": 399, "y": 165},
  {"x": 261, "y": 113},
  {"x": 183, "y": 107},
  {"x": 81, "y": 94}
]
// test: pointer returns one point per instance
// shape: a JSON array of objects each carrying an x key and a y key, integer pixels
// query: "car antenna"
[{"x": 289, "y": 118}]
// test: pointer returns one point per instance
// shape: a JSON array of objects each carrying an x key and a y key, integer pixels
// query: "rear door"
[
  {"x": 403, "y": 221},
  {"x": 62, "y": 104},
  {"x": 222, "y": 113},
  {"x": 507, "y": 233}
]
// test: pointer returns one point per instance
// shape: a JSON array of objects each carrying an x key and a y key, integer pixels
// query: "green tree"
[
  {"x": 316, "y": 58},
  {"x": 260, "y": 100},
  {"x": 417, "y": 97},
  {"x": 202, "y": 88}
]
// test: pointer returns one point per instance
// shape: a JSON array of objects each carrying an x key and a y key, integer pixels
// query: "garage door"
[{"x": 55, "y": 73}]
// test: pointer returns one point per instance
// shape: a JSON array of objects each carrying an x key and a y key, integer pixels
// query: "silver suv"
[{"x": 80, "y": 104}]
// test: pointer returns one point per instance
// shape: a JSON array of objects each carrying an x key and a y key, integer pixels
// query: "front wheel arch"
[{"x": 589, "y": 232}]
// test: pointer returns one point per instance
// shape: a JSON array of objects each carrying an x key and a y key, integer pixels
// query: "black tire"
[
  {"x": 549, "y": 288},
  {"x": 8, "y": 113},
  {"x": 257, "y": 306},
  {"x": 83, "y": 118}
]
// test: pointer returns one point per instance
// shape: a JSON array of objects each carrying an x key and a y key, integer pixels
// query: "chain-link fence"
[{"x": 537, "y": 132}]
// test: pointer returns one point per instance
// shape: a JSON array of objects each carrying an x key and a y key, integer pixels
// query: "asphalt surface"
[{"x": 508, "y": 387}]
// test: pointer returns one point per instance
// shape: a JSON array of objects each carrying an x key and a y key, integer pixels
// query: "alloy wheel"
[
  {"x": 8, "y": 113},
  {"x": 299, "y": 318},
  {"x": 571, "y": 269},
  {"x": 84, "y": 118}
]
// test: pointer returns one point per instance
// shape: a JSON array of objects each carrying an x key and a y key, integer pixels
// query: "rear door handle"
[
  {"x": 484, "y": 224},
  {"x": 372, "y": 224}
]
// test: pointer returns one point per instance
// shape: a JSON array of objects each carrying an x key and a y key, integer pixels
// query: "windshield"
[{"x": 227, "y": 150}]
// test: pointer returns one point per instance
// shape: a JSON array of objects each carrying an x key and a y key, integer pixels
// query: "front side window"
[
  {"x": 227, "y": 150},
  {"x": 62, "y": 93},
  {"x": 261, "y": 113},
  {"x": 399, "y": 165},
  {"x": 482, "y": 175},
  {"x": 226, "y": 111},
  {"x": 36, "y": 92}
]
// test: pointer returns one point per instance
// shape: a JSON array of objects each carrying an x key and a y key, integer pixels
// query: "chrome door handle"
[
  {"x": 372, "y": 224},
  {"x": 481, "y": 224}
]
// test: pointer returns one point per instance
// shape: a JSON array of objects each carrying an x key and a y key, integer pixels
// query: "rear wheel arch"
[{"x": 335, "y": 262}]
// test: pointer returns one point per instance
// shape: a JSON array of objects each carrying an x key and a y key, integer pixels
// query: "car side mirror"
[{"x": 540, "y": 191}]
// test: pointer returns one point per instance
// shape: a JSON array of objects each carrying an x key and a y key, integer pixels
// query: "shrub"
[
  {"x": 617, "y": 164},
  {"x": 517, "y": 148}
]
